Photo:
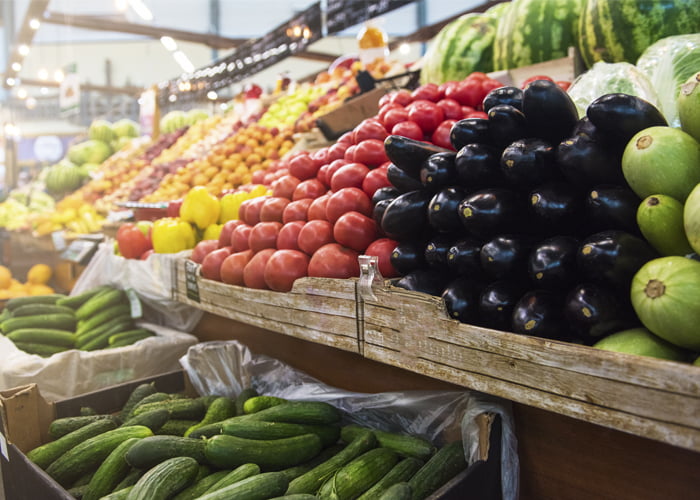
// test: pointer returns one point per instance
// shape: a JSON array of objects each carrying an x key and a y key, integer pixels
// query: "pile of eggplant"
[{"x": 529, "y": 225}]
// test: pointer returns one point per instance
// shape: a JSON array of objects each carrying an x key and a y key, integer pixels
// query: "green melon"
[
  {"x": 641, "y": 342},
  {"x": 691, "y": 218},
  {"x": 660, "y": 219},
  {"x": 689, "y": 106}
]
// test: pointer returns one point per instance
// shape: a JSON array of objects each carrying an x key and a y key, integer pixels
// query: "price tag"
[
  {"x": 120, "y": 215},
  {"x": 134, "y": 303},
  {"x": 3, "y": 448},
  {"x": 79, "y": 251},
  {"x": 59, "y": 241},
  {"x": 191, "y": 275}
]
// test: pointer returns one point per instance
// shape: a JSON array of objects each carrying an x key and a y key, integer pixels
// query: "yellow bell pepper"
[
  {"x": 200, "y": 207},
  {"x": 172, "y": 235},
  {"x": 212, "y": 232},
  {"x": 230, "y": 203}
]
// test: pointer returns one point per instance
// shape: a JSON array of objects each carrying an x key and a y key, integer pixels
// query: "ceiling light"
[
  {"x": 23, "y": 49},
  {"x": 168, "y": 43},
  {"x": 16, "y": 66},
  {"x": 11, "y": 130},
  {"x": 34, "y": 23},
  {"x": 59, "y": 75},
  {"x": 184, "y": 62},
  {"x": 212, "y": 95},
  {"x": 44, "y": 90},
  {"x": 31, "y": 103},
  {"x": 43, "y": 74},
  {"x": 141, "y": 10},
  {"x": 172, "y": 98},
  {"x": 121, "y": 5},
  {"x": 10, "y": 82},
  {"x": 404, "y": 48},
  {"x": 22, "y": 93}
]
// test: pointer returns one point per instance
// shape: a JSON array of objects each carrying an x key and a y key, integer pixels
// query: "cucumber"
[
  {"x": 103, "y": 316},
  {"x": 299, "y": 412},
  {"x": 121, "y": 494},
  {"x": 62, "y": 426},
  {"x": 153, "y": 450},
  {"x": 139, "y": 392},
  {"x": 198, "y": 489},
  {"x": 244, "y": 396},
  {"x": 151, "y": 398},
  {"x": 258, "y": 487},
  {"x": 43, "y": 350},
  {"x": 87, "y": 411},
  {"x": 183, "y": 409},
  {"x": 401, "y": 472},
  {"x": 48, "y": 336},
  {"x": 358, "y": 475},
  {"x": 296, "y": 496},
  {"x": 398, "y": 491},
  {"x": 45, "y": 455},
  {"x": 219, "y": 409},
  {"x": 257, "y": 403},
  {"x": 176, "y": 427},
  {"x": 78, "y": 492},
  {"x": 311, "y": 481},
  {"x": 294, "y": 472},
  {"x": 38, "y": 309},
  {"x": 16, "y": 302},
  {"x": 52, "y": 321},
  {"x": 101, "y": 340},
  {"x": 258, "y": 429},
  {"x": 129, "y": 337},
  {"x": 165, "y": 479},
  {"x": 99, "y": 302},
  {"x": 154, "y": 419},
  {"x": 90, "y": 453},
  {"x": 202, "y": 472},
  {"x": 76, "y": 301},
  {"x": 403, "y": 444},
  {"x": 229, "y": 451},
  {"x": 445, "y": 464},
  {"x": 115, "y": 324},
  {"x": 130, "y": 479},
  {"x": 238, "y": 474},
  {"x": 109, "y": 474},
  {"x": 83, "y": 480}
]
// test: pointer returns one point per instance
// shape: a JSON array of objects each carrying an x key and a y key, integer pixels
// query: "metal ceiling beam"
[
  {"x": 316, "y": 56},
  {"x": 108, "y": 89}
]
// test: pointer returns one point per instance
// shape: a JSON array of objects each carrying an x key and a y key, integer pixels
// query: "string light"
[
  {"x": 43, "y": 74},
  {"x": 34, "y": 23},
  {"x": 59, "y": 75},
  {"x": 16, "y": 66},
  {"x": 23, "y": 49}
]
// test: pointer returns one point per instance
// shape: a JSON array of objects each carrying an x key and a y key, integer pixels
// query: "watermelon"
[
  {"x": 620, "y": 30},
  {"x": 101, "y": 130},
  {"x": 463, "y": 46},
  {"x": 533, "y": 31}
]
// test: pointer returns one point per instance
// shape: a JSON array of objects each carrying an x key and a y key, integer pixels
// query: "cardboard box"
[
  {"x": 25, "y": 416},
  {"x": 351, "y": 113}
]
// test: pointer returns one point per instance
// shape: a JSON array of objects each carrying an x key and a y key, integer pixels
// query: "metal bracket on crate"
[{"x": 369, "y": 275}]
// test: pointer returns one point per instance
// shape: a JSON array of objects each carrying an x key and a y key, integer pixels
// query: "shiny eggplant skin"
[
  {"x": 478, "y": 167},
  {"x": 428, "y": 281},
  {"x": 555, "y": 208},
  {"x": 496, "y": 303},
  {"x": 407, "y": 215},
  {"x": 463, "y": 257},
  {"x": 619, "y": 117},
  {"x": 408, "y": 256},
  {"x": 512, "y": 96},
  {"x": 488, "y": 212},
  {"x": 539, "y": 313},
  {"x": 552, "y": 263},
  {"x": 594, "y": 311},
  {"x": 379, "y": 209},
  {"x": 585, "y": 162},
  {"x": 529, "y": 162},
  {"x": 470, "y": 131},
  {"x": 505, "y": 257},
  {"x": 436, "y": 250},
  {"x": 612, "y": 207},
  {"x": 443, "y": 209},
  {"x": 612, "y": 258},
  {"x": 409, "y": 154},
  {"x": 402, "y": 181},
  {"x": 507, "y": 124},
  {"x": 439, "y": 171},
  {"x": 385, "y": 193},
  {"x": 461, "y": 296},
  {"x": 550, "y": 112}
]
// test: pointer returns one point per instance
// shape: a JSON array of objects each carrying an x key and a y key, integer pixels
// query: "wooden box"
[
  {"x": 648, "y": 397},
  {"x": 319, "y": 310}
]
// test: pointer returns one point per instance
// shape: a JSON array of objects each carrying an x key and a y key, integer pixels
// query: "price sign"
[
  {"x": 191, "y": 275},
  {"x": 59, "y": 241},
  {"x": 79, "y": 251},
  {"x": 134, "y": 303}
]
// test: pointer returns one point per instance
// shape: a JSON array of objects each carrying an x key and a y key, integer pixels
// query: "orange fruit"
[
  {"x": 5, "y": 278},
  {"x": 39, "y": 274}
]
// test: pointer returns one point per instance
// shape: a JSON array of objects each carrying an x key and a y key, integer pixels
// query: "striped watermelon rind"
[{"x": 620, "y": 30}]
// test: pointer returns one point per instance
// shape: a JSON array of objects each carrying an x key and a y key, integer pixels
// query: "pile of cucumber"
[
  {"x": 167, "y": 446},
  {"x": 47, "y": 324}
]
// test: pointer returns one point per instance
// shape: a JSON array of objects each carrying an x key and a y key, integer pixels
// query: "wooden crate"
[
  {"x": 652, "y": 398},
  {"x": 317, "y": 309}
]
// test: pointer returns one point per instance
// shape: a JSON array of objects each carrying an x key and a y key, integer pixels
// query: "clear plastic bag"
[
  {"x": 152, "y": 279},
  {"x": 227, "y": 367}
]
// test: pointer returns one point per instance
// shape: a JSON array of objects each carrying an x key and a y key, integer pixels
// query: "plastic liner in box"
[{"x": 226, "y": 367}]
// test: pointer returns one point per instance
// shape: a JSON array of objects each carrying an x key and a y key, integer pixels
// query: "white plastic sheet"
[{"x": 226, "y": 367}]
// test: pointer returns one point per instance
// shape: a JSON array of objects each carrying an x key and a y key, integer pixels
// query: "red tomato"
[
  {"x": 310, "y": 188},
  {"x": 273, "y": 208},
  {"x": 317, "y": 209},
  {"x": 314, "y": 235},
  {"x": 371, "y": 128},
  {"x": 429, "y": 92},
  {"x": 289, "y": 235},
  {"x": 370, "y": 152},
  {"x": 355, "y": 231},
  {"x": 374, "y": 180},
  {"x": 486, "y": 87},
  {"x": 211, "y": 265},
  {"x": 296, "y": 210},
  {"x": 232, "y": 267},
  {"x": 227, "y": 231},
  {"x": 258, "y": 177},
  {"x": 408, "y": 129},
  {"x": 204, "y": 248},
  {"x": 346, "y": 138},
  {"x": 564, "y": 85},
  {"x": 451, "y": 108},
  {"x": 394, "y": 116},
  {"x": 252, "y": 211},
  {"x": 385, "y": 109},
  {"x": 467, "y": 92},
  {"x": 337, "y": 151},
  {"x": 383, "y": 248},
  {"x": 441, "y": 136},
  {"x": 284, "y": 186},
  {"x": 477, "y": 75},
  {"x": 426, "y": 114},
  {"x": 131, "y": 241},
  {"x": 402, "y": 97},
  {"x": 347, "y": 200},
  {"x": 350, "y": 175},
  {"x": 254, "y": 271},
  {"x": 334, "y": 261},
  {"x": 264, "y": 235},
  {"x": 349, "y": 153},
  {"x": 283, "y": 268},
  {"x": 333, "y": 168},
  {"x": 466, "y": 110},
  {"x": 444, "y": 86},
  {"x": 320, "y": 156},
  {"x": 303, "y": 167},
  {"x": 534, "y": 78},
  {"x": 477, "y": 114},
  {"x": 239, "y": 238},
  {"x": 385, "y": 99}
]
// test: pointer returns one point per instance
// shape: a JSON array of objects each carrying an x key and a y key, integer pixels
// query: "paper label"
[
  {"x": 191, "y": 274},
  {"x": 134, "y": 303},
  {"x": 59, "y": 242}
]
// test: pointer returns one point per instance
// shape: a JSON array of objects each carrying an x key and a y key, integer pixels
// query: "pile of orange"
[{"x": 37, "y": 278}]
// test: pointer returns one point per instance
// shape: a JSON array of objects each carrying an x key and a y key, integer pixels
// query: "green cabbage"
[{"x": 668, "y": 63}]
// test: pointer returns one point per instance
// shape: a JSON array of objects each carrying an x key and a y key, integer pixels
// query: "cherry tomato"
[
  {"x": 310, "y": 188},
  {"x": 254, "y": 271},
  {"x": 296, "y": 210},
  {"x": 371, "y": 128},
  {"x": 283, "y": 268},
  {"x": 233, "y": 265},
  {"x": 347, "y": 200},
  {"x": 408, "y": 129},
  {"x": 426, "y": 114},
  {"x": 350, "y": 175},
  {"x": 284, "y": 186},
  {"x": 314, "y": 235},
  {"x": 383, "y": 248},
  {"x": 289, "y": 235},
  {"x": 239, "y": 238},
  {"x": 273, "y": 208},
  {"x": 317, "y": 209},
  {"x": 355, "y": 231},
  {"x": 374, "y": 180},
  {"x": 334, "y": 261},
  {"x": 303, "y": 167},
  {"x": 441, "y": 136},
  {"x": 370, "y": 152}
]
